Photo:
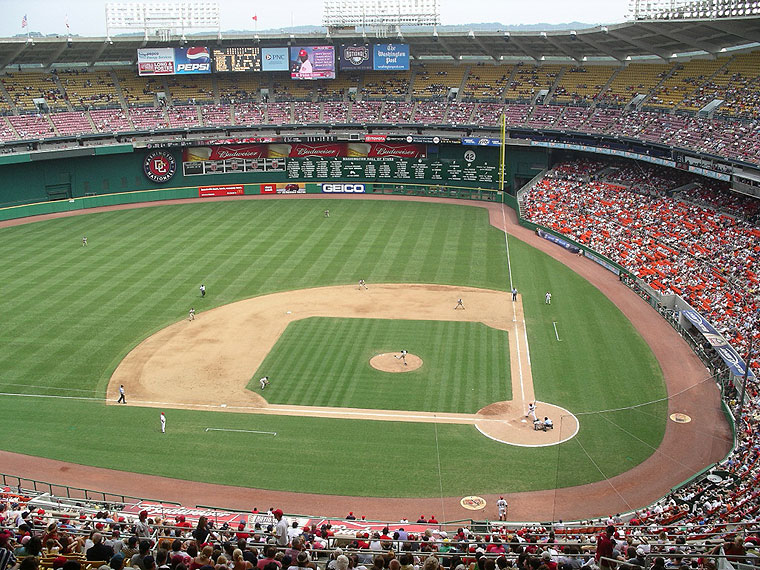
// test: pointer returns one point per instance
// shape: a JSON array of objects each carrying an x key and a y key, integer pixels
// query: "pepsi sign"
[{"x": 192, "y": 60}]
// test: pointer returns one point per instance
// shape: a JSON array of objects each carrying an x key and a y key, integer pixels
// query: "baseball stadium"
[{"x": 432, "y": 297}]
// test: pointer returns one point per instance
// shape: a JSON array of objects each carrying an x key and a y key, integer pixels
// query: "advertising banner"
[
  {"x": 390, "y": 57},
  {"x": 192, "y": 60},
  {"x": 341, "y": 188},
  {"x": 155, "y": 61},
  {"x": 283, "y": 188},
  {"x": 312, "y": 62},
  {"x": 355, "y": 57},
  {"x": 482, "y": 141},
  {"x": 732, "y": 359},
  {"x": 302, "y": 150},
  {"x": 173, "y": 61},
  {"x": 213, "y": 191},
  {"x": 559, "y": 241},
  {"x": 274, "y": 59}
]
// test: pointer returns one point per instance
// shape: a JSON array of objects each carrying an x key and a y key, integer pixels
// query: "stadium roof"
[{"x": 631, "y": 41}]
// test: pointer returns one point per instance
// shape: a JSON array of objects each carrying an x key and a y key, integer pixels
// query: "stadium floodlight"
[
  {"x": 382, "y": 16},
  {"x": 162, "y": 19},
  {"x": 689, "y": 9}
]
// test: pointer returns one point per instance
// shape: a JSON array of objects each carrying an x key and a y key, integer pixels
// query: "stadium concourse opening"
[{"x": 206, "y": 363}]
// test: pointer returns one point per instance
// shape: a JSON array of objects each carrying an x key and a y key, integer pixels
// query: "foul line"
[
  {"x": 242, "y": 430},
  {"x": 555, "y": 331},
  {"x": 514, "y": 316},
  {"x": 506, "y": 241}
]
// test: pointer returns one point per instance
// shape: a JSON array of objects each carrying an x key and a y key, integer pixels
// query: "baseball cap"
[
  {"x": 302, "y": 53},
  {"x": 277, "y": 512}
]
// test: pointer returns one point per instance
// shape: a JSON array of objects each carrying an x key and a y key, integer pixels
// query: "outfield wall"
[{"x": 97, "y": 171}]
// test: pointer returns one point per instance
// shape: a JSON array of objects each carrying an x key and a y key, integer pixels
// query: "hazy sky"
[{"x": 87, "y": 17}]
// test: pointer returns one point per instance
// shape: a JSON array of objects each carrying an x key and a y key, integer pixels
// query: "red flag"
[{"x": 255, "y": 18}]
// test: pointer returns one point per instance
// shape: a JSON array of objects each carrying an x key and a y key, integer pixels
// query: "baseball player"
[
  {"x": 264, "y": 382},
  {"x": 502, "y": 505},
  {"x": 514, "y": 294},
  {"x": 191, "y": 314},
  {"x": 203, "y": 290},
  {"x": 327, "y": 213},
  {"x": 402, "y": 356},
  {"x": 84, "y": 241},
  {"x": 362, "y": 284},
  {"x": 459, "y": 304},
  {"x": 532, "y": 411},
  {"x": 548, "y": 298},
  {"x": 163, "y": 423},
  {"x": 122, "y": 397}
]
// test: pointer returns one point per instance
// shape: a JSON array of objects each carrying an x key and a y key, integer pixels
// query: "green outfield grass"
[
  {"x": 325, "y": 362},
  {"x": 71, "y": 313}
]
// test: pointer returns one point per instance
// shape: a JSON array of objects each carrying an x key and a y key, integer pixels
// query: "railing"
[{"x": 24, "y": 486}]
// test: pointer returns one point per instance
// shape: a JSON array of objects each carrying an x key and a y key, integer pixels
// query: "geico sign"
[{"x": 343, "y": 188}]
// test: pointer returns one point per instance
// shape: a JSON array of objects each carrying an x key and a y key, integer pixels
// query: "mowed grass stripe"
[
  {"x": 144, "y": 266},
  {"x": 325, "y": 362}
]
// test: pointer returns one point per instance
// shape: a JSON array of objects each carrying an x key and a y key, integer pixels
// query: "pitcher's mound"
[{"x": 391, "y": 362}]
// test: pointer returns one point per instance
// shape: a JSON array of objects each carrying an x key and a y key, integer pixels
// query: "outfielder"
[
  {"x": 502, "y": 505},
  {"x": 548, "y": 298},
  {"x": 163, "y": 423},
  {"x": 203, "y": 290},
  {"x": 84, "y": 241},
  {"x": 264, "y": 382},
  {"x": 362, "y": 284}
]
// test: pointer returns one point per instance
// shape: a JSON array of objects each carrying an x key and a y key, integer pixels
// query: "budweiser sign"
[
  {"x": 327, "y": 149},
  {"x": 381, "y": 150}
]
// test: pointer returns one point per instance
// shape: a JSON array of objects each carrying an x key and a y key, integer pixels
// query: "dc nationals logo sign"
[
  {"x": 159, "y": 166},
  {"x": 356, "y": 54}
]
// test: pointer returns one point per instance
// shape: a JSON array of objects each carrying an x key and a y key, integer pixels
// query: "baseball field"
[{"x": 73, "y": 315}]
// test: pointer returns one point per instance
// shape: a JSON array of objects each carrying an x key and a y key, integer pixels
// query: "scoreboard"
[
  {"x": 236, "y": 59},
  {"x": 457, "y": 165}
]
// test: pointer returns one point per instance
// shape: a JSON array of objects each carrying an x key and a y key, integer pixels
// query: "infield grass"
[
  {"x": 71, "y": 313},
  {"x": 325, "y": 362}
]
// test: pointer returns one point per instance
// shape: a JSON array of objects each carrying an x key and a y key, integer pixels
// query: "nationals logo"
[
  {"x": 357, "y": 55},
  {"x": 159, "y": 166}
]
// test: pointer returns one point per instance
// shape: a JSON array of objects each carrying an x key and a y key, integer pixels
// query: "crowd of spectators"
[
  {"x": 72, "y": 539},
  {"x": 677, "y": 232}
]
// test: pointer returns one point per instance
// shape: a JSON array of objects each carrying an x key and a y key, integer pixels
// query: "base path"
[
  {"x": 685, "y": 449},
  {"x": 206, "y": 363}
]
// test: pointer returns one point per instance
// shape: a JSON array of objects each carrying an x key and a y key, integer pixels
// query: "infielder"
[
  {"x": 122, "y": 397},
  {"x": 163, "y": 423},
  {"x": 264, "y": 382},
  {"x": 502, "y": 505},
  {"x": 362, "y": 284},
  {"x": 459, "y": 304},
  {"x": 191, "y": 315}
]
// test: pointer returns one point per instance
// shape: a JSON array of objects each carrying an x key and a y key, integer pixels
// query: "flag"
[
  {"x": 255, "y": 18},
  {"x": 67, "y": 22},
  {"x": 24, "y": 21}
]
